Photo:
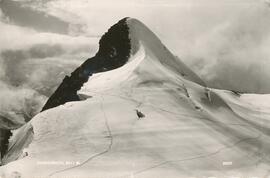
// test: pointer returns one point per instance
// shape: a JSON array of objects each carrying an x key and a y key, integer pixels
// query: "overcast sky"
[{"x": 226, "y": 42}]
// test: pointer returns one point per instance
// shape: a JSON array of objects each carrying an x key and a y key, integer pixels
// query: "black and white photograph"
[{"x": 134, "y": 89}]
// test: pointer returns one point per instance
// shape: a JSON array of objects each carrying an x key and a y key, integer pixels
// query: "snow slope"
[{"x": 188, "y": 130}]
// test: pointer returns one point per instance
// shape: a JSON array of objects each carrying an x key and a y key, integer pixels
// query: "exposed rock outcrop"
[{"x": 114, "y": 51}]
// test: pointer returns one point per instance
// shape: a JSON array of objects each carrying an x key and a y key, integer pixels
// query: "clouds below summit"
[
  {"x": 33, "y": 63},
  {"x": 235, "y": 53}
]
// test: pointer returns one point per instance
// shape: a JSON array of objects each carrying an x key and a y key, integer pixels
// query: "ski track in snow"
[
  {"x": 195, "y": 157},
  {"x": 99, "y": 154},
  {"x": 174, "y": 113},
  {"x": 139, "y": 103}
]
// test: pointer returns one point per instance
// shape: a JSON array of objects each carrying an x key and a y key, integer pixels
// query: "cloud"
[
  {"x": 20, "y": 14},
  {"x": 28, "y": 52},
  {"x": 33, "y": 64},
  {"x": 235, "y": 54},
  {"x": 19, "y": 104}
]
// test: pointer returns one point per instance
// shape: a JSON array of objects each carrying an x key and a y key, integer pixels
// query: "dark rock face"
[
  {"x": 4, "y": 136},
  {"x": 114, "y": 51}
]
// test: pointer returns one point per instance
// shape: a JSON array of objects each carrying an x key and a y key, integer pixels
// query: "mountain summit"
[
  {"x": 135, "y": 110},
  {"x": 115, "y": 47}
]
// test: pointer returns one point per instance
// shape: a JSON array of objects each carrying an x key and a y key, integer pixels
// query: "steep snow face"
[
  {"x": 188, "y": 130},
  {"x": 140, "y": 34},
  {"x": 150, "y": 63}
]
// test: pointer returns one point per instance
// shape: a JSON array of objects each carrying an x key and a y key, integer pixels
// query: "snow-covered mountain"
[{"x": 141, "y": 113}]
